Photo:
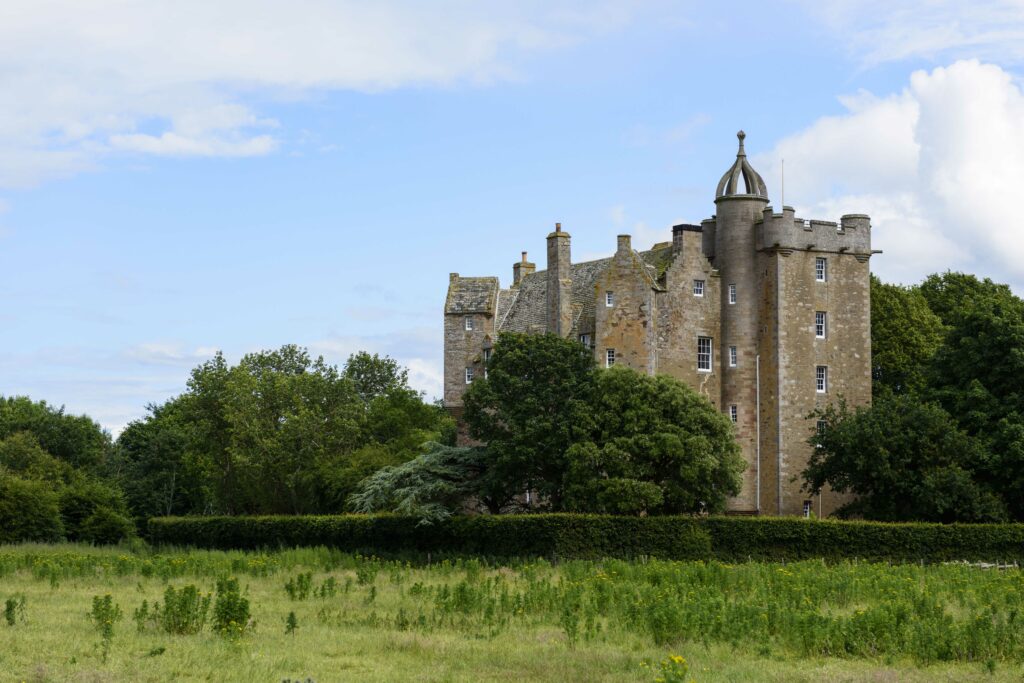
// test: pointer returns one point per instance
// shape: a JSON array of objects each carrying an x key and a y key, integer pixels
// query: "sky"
[{"x": 179, "y": 177}]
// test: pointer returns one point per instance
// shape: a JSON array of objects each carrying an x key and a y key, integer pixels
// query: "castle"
[{"x": 765, "y": 314}]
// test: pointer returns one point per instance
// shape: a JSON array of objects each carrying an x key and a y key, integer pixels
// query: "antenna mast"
[{"x": 782, "y": 185}]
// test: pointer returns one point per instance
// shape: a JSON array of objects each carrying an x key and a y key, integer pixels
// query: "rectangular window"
[
  {"x": 609, "y": 358},
  {"x": 609, "y": 299},
  {"x": 821, "y": 378},
  {"x": 733, "y": 413},
  {"x": 487, "y": 359},
  {"x": 469, "y": 375},
  {"x": 732, "y": 294},
  {"x": 585, "y": 340},
  {"x": 820, "y": 270},
  {"x": 469, "y": 323},
  {"x": 819, "y": 324},
  {"x": 704, "y": 354},
  {"x": 819, "y": 430},
  {"x": 807, "y": 509},
  {"x": 698, "y": 288},
  {"x": 732, "y": 356}
]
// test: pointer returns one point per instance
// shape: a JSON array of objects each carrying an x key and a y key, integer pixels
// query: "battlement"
[{"x": 785, "y": 231}]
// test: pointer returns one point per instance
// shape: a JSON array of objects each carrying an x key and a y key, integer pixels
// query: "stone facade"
[{"x": 765, "y": 314}]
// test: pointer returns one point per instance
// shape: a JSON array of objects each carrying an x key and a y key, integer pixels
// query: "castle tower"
[
  {"x": 738, "y": 209},
  {"x": 559, "y": 294}
]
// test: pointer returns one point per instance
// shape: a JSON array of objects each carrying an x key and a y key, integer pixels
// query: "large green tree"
[
  {"x": 75, "y": 439},
  {"x": 534, "y": 404},
  {"x": 905, "y": 335},
  {"x": 656, "y": 447}
]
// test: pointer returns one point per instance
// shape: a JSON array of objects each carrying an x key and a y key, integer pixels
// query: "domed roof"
[{"x": 753, "y": 184}]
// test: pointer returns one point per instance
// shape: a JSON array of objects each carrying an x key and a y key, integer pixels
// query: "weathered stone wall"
[
  {"x": 476, "y": 299},
  {"x": 628, "y": 324},
  {"x": 559, "y": 274},
  {"x": 682, "y": 317}
]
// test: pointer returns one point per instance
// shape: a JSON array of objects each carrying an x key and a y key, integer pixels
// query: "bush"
[
  {"x": 231, "y": 610},
  {"x": 105, "y": 527},
  {"x": 594, "y": 536},
  {"x": 28, "y": 511}
]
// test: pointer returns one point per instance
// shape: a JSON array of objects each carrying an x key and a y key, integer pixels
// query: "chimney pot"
[{"x": 524, "y": 257}]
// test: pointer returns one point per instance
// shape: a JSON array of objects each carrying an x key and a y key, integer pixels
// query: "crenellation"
[{"x": 786, "y": 231}]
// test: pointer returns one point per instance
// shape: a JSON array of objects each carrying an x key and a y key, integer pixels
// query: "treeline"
[{"x": 944, "y": 438}]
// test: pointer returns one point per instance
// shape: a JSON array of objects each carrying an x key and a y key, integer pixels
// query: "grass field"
[{"x": 359, "y": 619}]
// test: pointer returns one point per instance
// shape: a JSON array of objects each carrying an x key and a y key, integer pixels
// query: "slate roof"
[
  {"x": 524, "y": 308},
  {"x": 472, "y": 295}
]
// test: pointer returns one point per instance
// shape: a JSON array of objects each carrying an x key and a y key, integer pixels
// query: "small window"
[
  {"x": 819, "y": 431},
  {"x": 819, "y": 324},
  {"x": 732, "y": 294},
  {"x": 609, "y": 358},
  {"x": 732, "y": 356},
  {"x": 821, "y": 378},
  {"x": 469, "y": 375},
  {"x": 469, "y": 323},
  {"x": 487, "y": 356},
  {"x": 698, "y": 288},
  {"x": 704, "y": 354},
  {"x": 609, "y": 299},
  {"x": 733, "y": 413},
  {"x": 585, "y": 340},
  {"x": 807, "y": 509},
  {"x": 820, "y": 269}
]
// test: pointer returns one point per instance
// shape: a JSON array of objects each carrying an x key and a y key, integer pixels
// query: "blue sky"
[{"x": 181, "y": 177}]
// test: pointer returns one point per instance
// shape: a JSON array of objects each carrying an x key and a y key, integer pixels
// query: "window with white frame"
[
  {"x": 469, "y": 323},
  {"x": 703, "y": 354},
  {"x": 820, "y": 269},
  {"x": 585, "y": 340},
  {"x": 469, "y": 375},
  {"x": 733, "y": 413},
  {"x": 609, "y": 358},
  {"x": 698, "y": 288},
  {"x": 487, "y": 359},
  {"x": 609, "y": 299},
  {"x": 732, "y": 294},
  {"x": 821, "y": 379},
  {"x": 732, "y": 356},
  {"x": 819, "y": 324},
  {"x": 807, "y": 509}
]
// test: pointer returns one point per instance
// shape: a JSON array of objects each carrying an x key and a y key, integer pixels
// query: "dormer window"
[{"x": 469, "y": 323}]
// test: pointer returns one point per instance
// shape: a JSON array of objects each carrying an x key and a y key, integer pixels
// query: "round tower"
[{"x": 740, "y": 201}]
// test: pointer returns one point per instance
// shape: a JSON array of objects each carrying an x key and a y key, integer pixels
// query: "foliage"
[
  {"x": 28, "y": 511},
  {"x": 657, "y": 447},
  {"x": 155, "y": 471},
  {"x": 903, "y": 460},
  {"x": 373, "y": 376},
  {"x": 14, "y": 610},
  {"x": 94, "y": 511},
  {"x": 905, "y": 334},
  {"x": 183, "y": 611},
  {"x": 21, "y": 454},
  {"x": 231, "y": 617},
  {"x": 74, "y": 439},
  {"x": 432, "y": 486},
  {"x": 532, "y": 407},
  {"x": 105, "y": 613}
]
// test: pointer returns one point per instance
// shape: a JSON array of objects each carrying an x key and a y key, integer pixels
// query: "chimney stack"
[
  {"x": 521, "y": 270},
  {"x": 559, "y": 283}
]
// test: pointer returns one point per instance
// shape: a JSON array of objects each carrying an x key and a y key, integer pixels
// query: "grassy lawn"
[{"x": 361, "y": 619}]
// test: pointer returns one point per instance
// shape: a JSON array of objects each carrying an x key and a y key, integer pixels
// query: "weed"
[
  {"x": 290, "y": 624},
  {"x": 231, "y": 616},
  {"x": 105, "y": 613}
]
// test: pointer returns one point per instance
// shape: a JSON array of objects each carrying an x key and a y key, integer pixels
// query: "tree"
[
  {"x": 905, "y": 334},
  {"x": 28, "y": 511},
  {"x": 374, "y": 376},
  {"x": 903, "y": 460},
  {"x": 432, "y": 486},
  {"x": 21, "y": 454},
  {"x": 75, "y": 439},
  {"x": 656, "y": 447},
  {"x": 531, "y": 408}
]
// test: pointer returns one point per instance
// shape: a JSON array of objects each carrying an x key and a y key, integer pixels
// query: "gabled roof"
[{"x": 472, "y": 295}]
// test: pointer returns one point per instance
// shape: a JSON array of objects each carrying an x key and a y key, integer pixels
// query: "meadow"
[{"x": 323, "y": 615}]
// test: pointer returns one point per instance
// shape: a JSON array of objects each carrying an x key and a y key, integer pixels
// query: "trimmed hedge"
[{"x": 594, "y": 536}]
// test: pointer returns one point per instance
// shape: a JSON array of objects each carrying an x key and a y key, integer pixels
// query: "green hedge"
[{"x": 593, "y": 536}]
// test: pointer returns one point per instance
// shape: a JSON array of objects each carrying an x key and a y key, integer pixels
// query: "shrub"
[
  {"x": 106, "y": 527},
  {"x": 184, "y": 610},
  {"x": 81, "y": 500},
  {"x": 28, "y": 511},
  {"x": 231, "y": 610},
  {"x": 595, "y": 536}
]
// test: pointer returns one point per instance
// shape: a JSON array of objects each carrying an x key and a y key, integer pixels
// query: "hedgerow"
[{"x": 595, "y": 536}]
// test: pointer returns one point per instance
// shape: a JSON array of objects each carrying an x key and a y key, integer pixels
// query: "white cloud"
[
  {"x": 879, "y": 31},
  {"x": 940, "y": 167},
  {"x": 169, "y": 353},
  {"x": 170, "y": 77}
]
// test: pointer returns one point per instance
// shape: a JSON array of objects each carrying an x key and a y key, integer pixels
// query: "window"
[
  {"x": 732, "y": 356},
  {"x": 469, "y": 375},
  {"x": 820, "y": 272},
  {"x": 469, "y": 323},
  {"x": 733, "y": 413},
  {"x": 585, "y": 340},
  {"x": 819, "y": 324},
  {"x": 704, "y": 354},
  {"x": 807, "y": 509},
  {"x": 732, "y": 294},
  {"x": 819, "y": 431},
  {"x": 698, "y": 288},
  {"x": 487, "y": 359},
  {"x": 821, "y": 377},
  {"x": 609, "y": 358},
  {"x": 609, "y": 299}
]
